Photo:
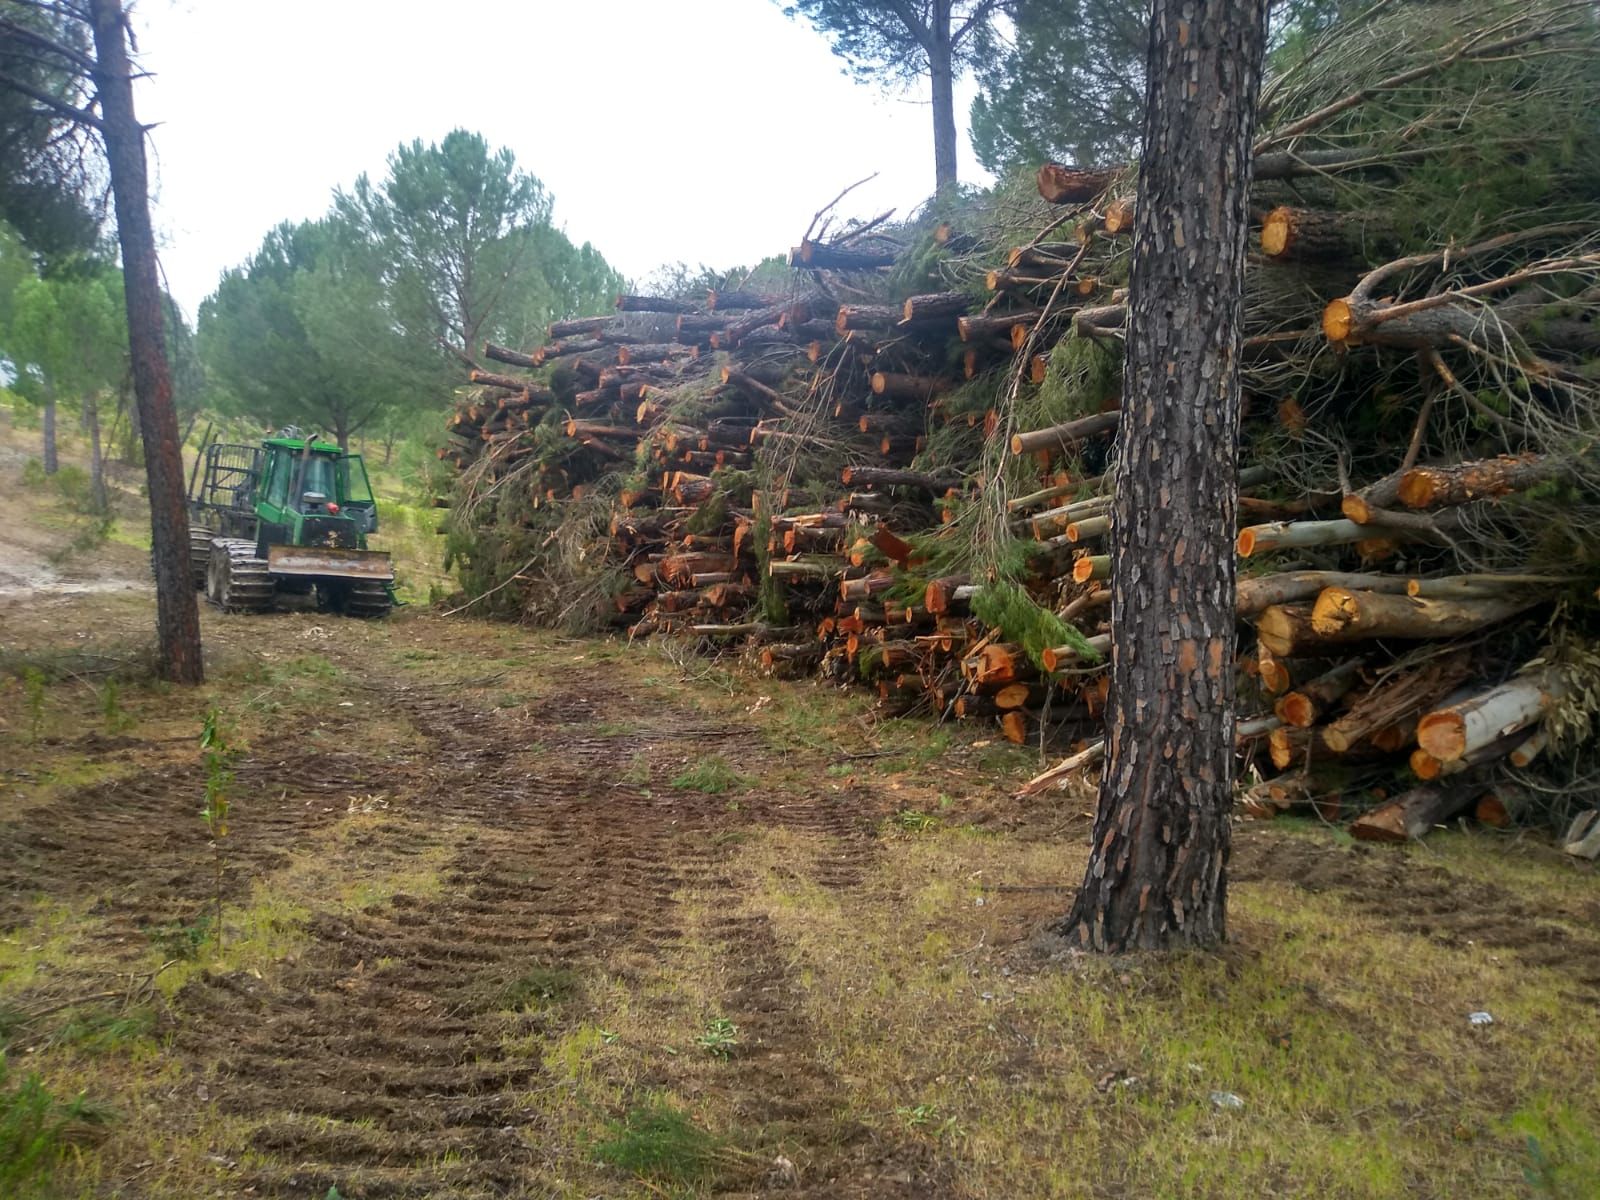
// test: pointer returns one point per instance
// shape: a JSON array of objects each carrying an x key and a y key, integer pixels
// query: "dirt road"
[{"x": 509, "y": 915}]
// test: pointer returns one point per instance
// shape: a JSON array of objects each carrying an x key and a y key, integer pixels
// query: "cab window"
[
  {"x": 319, "y": 477},
  {"x": 353, "y": 474},
  {"x": 278, "y": 471}
]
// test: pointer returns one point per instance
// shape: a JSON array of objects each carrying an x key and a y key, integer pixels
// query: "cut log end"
[
  {"x": 1338, "y": 321},
  {"x": 1443, "y": 735},
  {"x": 1275, "y": 231}
]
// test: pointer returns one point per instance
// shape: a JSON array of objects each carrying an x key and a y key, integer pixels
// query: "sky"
[{"x": 696, "y": 131}]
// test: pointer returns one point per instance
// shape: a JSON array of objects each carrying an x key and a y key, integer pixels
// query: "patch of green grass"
[
  {"x": 713, "y": 776},
  {"x": 105, "y": 1031},
  {"x": 539, "y": 988},
  {"x": 657, "y": 1141},
  {"x": 181, "y": 940},
  {"x": 909, "y": 744},
  {"x": 1562, "y": 1149},
  {"x": 38, "y": 1129},
  {"x": 912, "y": 821},
  {"x": 926, "y": 1118}
]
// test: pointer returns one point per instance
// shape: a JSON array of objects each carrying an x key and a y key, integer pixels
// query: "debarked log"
[{"x": 1449, "y": 733}]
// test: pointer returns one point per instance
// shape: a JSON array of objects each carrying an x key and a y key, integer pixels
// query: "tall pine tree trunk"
[
  {"x": 51, "y": 462},
  {"x": 941, "y": 65},
  {"x": 97, "y": 464},
  {"x": 177, "y": 614},
  {"x": 1157, "y": 872}
]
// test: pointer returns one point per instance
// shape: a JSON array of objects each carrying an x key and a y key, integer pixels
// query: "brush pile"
[{"x": 889, "y": 458}]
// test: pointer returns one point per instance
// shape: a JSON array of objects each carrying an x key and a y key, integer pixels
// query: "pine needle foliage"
[{"x": 1006, "y": 606}]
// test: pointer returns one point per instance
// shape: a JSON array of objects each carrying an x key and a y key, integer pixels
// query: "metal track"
[
  {"x": 367, "y": 598},
  {"x": 236, "y": 580},
  {"x": 199, "y": 556}
]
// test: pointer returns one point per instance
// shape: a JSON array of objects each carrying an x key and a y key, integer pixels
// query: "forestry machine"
[{"x": 288, "y": 517}]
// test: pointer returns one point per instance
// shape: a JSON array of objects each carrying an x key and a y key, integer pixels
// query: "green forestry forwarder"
[{"x": 287, "y": 518}]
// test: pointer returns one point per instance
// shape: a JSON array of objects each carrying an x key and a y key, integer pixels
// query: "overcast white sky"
[{"x": 702, "y": 131}]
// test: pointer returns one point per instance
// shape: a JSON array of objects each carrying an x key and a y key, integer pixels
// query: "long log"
[
  {"x": 908, "y": 387},
  {"x": 1260, "y": 592},
  {"x": 657, "y": 352},
  {"x": 1106, "y": 320},
  {"x": 490, "y": 379},
  {"x": 935, "y": 304},
  {"x": 576, "y": 327},
  {"x": 975, "y": 327},
  {"x": 1445, "y": 320},
  {"x": 1306, "y": 705},
  {"x": 1411, "y": 815},
  {"x": 1298, "y": 535},
  {"x": 1341, "y": 614},
  {"x": 1060, "y": 658},
  {"x": 1118, "y": 218},
  {"x": 514, "y": 358},
  {"x": 1436, "y": 487},
  {"x": 1481, "y": 587},
  {"x": 1285, "y": 630},
  {"x": 889, "y": 477},
  {"x": 655, "y": 304},
  {"x": 1311, "y": 235},
  {"x": 1458, "y": 729},
  {"x": 1066, "y": 435}
]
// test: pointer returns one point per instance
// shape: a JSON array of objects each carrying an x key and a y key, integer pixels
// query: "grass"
[
  {"x": 658, "y": 1141},
  {"x": 712, "y": 775},
  {"x": 1347, "y": 1041},
  {"x": 539, "y": 988},
  {"x": 37, "y": 1130}
]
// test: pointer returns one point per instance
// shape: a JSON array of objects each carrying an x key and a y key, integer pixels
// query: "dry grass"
[{"x": 1047, "y": 1074}]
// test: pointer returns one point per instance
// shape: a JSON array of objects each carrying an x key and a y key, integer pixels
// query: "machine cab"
[{"x": 312, "y": 493}]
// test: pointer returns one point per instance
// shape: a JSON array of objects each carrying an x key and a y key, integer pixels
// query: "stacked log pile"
[{"x": 892, "y": 463}]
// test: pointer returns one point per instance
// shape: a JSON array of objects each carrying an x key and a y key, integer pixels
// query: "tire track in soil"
[
  {"x": 132, "y": 843},
  {"x": 1426, "y": 899},
  {"x": 377, "y": 1063}
]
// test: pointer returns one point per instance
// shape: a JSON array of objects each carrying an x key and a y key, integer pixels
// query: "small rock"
[
  {"x": 1480, "y": 1018},
  {"x": 1227, "y": 1100}
]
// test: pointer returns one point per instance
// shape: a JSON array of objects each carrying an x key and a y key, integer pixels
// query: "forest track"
[{"x": 384, "y": 1062}]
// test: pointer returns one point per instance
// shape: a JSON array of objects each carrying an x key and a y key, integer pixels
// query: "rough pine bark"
[
  {"x": 1157, "y": 871},
  {"x": 941, "y": 67},
  {"x": 177, "y": 614}
]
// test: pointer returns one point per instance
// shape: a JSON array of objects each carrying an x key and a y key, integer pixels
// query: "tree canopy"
[
  {"x": 302, "y": 334},
  {"x": 1066, "y": 81},
  {"x": 898, "y": 43},
  {"x": 52, "y": 182},
  {"x": 465, "y": 248},
  {"x": 350, "y": 323},
  {"x": 1069, "y": 85},
  {"x": 67, "y": 335}
]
